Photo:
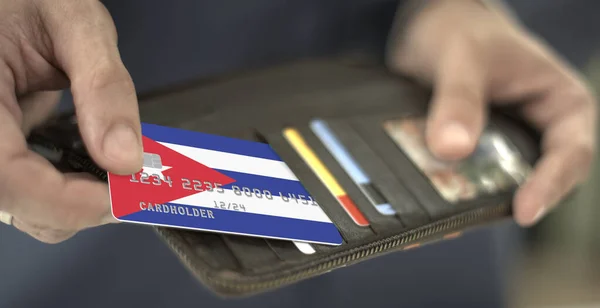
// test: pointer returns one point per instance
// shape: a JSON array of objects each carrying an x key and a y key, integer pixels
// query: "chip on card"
[{"x": 212, "y": 183}]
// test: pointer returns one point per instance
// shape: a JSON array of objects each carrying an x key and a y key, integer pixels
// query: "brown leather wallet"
[{"x": 355, "y": 101}]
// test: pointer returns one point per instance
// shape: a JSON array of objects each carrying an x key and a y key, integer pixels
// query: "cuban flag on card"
[{"x": 212, "y": 183}]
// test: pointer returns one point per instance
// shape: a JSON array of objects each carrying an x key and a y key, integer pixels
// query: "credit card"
[
  {"x": 354, "y": 170},
  {"x": 312, "y": 160},
  {"x": 212, "y": 183},
  {"x": 495, "y": 165}
]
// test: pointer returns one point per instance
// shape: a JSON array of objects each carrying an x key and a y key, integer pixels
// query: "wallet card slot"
[
  {"x": 285, "y": 250},
  {"x": 391, "y": 189},
  {"x": 348, "y": 229},
  {"x": 211, "y": 248},
  {"x": 251, "y": 252},
  {"x": 378, "y": 222},
  {"x": 371, "y": 129}
]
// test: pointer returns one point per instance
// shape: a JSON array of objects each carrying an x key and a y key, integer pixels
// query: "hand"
[
  {"x": 472, "y": 55},
  {"x": 45, "y": 46}
]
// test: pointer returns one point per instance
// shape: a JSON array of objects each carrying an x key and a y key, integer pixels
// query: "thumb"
[
  {"x": 458, "y": 108},
  {"x": 103, "y": 93}
]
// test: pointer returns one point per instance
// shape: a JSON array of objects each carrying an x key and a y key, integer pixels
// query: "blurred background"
[
  {"x": 557, "y": 261},
  {"x": 560, "y": 267}
]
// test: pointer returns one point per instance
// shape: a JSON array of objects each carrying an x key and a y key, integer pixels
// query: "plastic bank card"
[
  {"x": 494, "y": 166},
  {"x": 212, "y": 183}
]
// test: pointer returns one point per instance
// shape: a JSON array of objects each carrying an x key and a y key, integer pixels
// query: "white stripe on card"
[{"x": 235, "y": 162}]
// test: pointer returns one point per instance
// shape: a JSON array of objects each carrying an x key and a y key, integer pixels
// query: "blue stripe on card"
[
  {"x": 274, "y": 185},
  {"x": 238, "y": 222},
  {"x": 335, "y": 147},
  {"x": 207, "y": 141}
]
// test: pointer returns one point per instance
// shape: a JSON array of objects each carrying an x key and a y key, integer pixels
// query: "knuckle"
[
  {"x": 51, "y": 236},
  {"x": 105, "y": 74},
  {"x": 468, "y": 95},
  {"x": 483, "y": 39},
  {"x": 69, "y": 219},
  {"x": 109, "y": 73},
  {"x": 580, "y": 96},
  {"x": 76, "y": 217},
  {"x": 473, "y": 37},
  {"x": 43, "y": 233},
  {"x": 14, "y": 25},
  {"x": 79, "y": 15},
  {"x": 583, "y": 154},
  {"x": 577, "y": 163},
  {"x": 461, "y": 95},
  {"x": 44, "y": 239}
]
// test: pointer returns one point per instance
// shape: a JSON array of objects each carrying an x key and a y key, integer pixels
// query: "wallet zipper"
[{"x": 338, "y": 260}]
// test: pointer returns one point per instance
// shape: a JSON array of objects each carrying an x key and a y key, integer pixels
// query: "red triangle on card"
[{"x": 126, "y": 192}]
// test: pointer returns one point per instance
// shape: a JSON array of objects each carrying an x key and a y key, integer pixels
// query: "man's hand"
[
  {"x": 472, "y": 55},
  {"x": 47, "y": 45}
]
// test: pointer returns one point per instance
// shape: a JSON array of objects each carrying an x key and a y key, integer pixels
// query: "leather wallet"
[{"x": 355, "y": 100}]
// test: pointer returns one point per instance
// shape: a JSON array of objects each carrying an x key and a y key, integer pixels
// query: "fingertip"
[
  {"x": 123, "y": 149},
  {"x": 451, "y": 141},
  {"x": 529, "y": 208}
]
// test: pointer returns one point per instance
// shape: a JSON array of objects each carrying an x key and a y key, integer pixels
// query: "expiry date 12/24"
[{"x": 229, "y": 206}]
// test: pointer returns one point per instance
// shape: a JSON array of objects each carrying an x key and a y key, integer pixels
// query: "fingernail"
[
  {"x": 539, "y": 215},
  {"x": 121, "y": 144},
  {"x": 456, "y": 135}
]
